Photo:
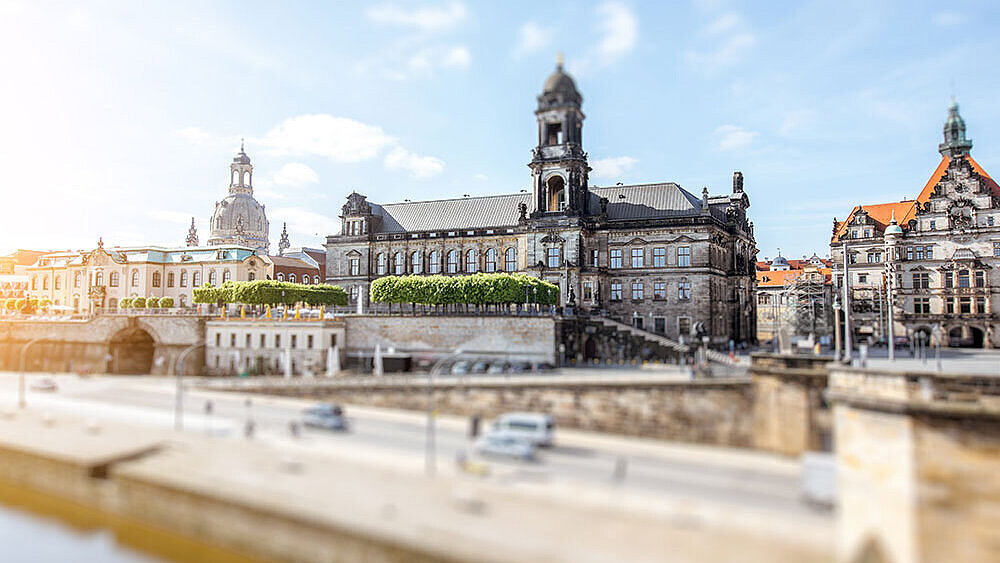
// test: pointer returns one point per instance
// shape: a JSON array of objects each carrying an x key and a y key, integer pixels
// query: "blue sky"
[{"x": 119, "y": 119}]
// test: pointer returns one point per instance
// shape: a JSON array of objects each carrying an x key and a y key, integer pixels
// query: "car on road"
[
  {"x": 537, "y": 428},
  {"x": 329, "y": 416},
  {"x": 460, "y": 368},
  {"x": 480, "y": 367},
  {"x": 502, "y": 444},
  {"x": 520, "y": 367},
  {"x": 44, "y": 384},
  {"x": 498, "y": 368}
]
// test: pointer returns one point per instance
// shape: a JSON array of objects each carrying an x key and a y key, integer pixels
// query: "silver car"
[
  {"x": 328, "y": 416},
  {"x": 505, "y": 445}
]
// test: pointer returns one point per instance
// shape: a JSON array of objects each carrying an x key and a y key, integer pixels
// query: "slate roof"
[{"x": 643, "y": 201}]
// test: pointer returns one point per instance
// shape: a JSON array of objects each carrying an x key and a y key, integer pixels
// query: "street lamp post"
[
  {"x": 836, "y": 326},
  {"x": 430, "y": 453},
  {"x": 890, "y": 275},
  {"x": 847, "y": 306},
  {"x": 22, "y": 400}
]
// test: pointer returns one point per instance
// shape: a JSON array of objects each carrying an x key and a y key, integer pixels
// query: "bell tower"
[
  {"x": 241, "y": 173},
  {"x": 559, "y": 170}
]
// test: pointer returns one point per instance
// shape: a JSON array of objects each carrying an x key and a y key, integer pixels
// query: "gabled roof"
[
  {"x": 940, "y": 171},
  {"x": 881, "y": 213}
]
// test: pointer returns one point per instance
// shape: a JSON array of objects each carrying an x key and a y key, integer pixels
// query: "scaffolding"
[{"x": 809, "y": 306}]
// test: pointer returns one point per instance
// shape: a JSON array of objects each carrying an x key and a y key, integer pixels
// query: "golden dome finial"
[{"x": 559, "y": 59}]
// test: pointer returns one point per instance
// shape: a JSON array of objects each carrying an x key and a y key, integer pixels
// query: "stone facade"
[
  {"x": 937, "y": 256},
  {"x": 261, "y": 346},
  {"x": 653, "y": 255},
  {"x": 98, "y": 279}
]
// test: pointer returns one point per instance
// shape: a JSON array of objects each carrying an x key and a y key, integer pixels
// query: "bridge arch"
[{"x": 131, "y": 351}]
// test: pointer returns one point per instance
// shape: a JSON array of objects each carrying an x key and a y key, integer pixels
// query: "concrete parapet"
[{"x": 790, "y": 415}]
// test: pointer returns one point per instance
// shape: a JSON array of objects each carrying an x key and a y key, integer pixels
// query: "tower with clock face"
[{"x": 559, "y": 170}]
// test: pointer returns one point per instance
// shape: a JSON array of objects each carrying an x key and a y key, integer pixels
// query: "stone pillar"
[{"x": 789, "y": 415}]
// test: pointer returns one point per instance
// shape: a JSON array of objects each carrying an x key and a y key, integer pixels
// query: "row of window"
[
  {"x": 638, "y": 291},
  {"x": 248, "y": 340},
  {"x": 922, "y": 280},
  {"x": 962, "y": 305},
  {"x": 638, "y": 257},
  {"x": 114, "y": 279},
  {"x": 292, "y": 278},
  {"x": 910, "y": 252},
  {"x": 455, "y": 262}
]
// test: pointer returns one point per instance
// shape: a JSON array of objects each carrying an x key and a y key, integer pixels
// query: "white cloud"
[
  {"x": 612, "y": 168},
  {"x": 427, "y": 19},
  {"x": 295, "y": 174},
  {"x": 480, "y": 176},
  {"x": 456, "y": 57},
  {"x": 426, "y": 60},
  {"x": 619, "y": 30},
  {"x": 338, "y": 138},
  {"x": 418, "y": 166},
  {"x": 948, "y": 18},
  {"x": 734, "y": 137},
  {"x": 532, "y": 38}
]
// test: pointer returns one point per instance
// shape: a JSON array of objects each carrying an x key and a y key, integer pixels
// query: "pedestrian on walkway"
[{"x": 474, "y": 426}]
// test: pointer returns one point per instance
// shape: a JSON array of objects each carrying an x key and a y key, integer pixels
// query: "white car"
[
  {"x": 44, "y": 384},
  {"x": 505, "y": 445},
  {"x": 537, "y": 428}
]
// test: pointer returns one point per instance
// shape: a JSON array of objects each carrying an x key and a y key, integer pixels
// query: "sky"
[{"x": 119, "y": 119}]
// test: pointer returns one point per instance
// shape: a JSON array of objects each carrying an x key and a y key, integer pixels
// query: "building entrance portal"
[
  {"x": 965, "y": 337},
  {"x": 132, "y": 352}
]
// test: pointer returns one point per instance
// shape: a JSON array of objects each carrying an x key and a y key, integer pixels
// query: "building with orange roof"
[
  {"x": 933, "y": 258},
  {"x": 794, "y": 298}
]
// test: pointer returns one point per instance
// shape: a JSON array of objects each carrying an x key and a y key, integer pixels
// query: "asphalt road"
[{"x": 768, "y": 485}]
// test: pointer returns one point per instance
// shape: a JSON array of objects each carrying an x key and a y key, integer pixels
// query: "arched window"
[
  {"x": 135, "y": 278},
  {"x": 99, "y": 278},
  {"x": 963, "y": 278},
  {"x": 76, "y": 279},
  {"x": 315, "y": 279},
  {"x": 557, "y": 193},
  {"x": 184, "y": 278},
  {"x": 196, "y": 279},
  {"x": 170, "y": 279},
  {"x": 218, "y": 222},
  {"x": 281, "y": 277},
  {"x": 399, "y": 264},
  {"x": 45, "y": 282},
  {"x": 471, "y": 263},
  {"x": 34, "y": 282},
  {"x": 114, "y": 279},
  {"x": 226, "y": 275},
  {"x": 510, "y": 259},
  {"x": 156, "y": 279},
  {"x": 251, "y": 276},
  {"x": 380, "y": 264},
  {"x": 211, "y": 278},
  {"x": 416, "y": 263},
  {"x": 491, "y": 261},
  {"x": 246, "y": 178},
  {"x": 57, "y": 281},
  {"x": 305, "y": 280},
  {"x": 291, "y": 278},
  {"x": 452, "y": 262},
  {"x": 434, "y": 262}
]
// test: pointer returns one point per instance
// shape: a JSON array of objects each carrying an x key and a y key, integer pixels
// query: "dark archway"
[
  {"x": 590, "y": 348},
  {"x": 965, "y": 337},
  {"x": 132, "y": 352}
]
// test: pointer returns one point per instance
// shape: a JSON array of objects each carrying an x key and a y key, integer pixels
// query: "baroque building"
[
  {"x": 239, "y": 218},
  {"x": 652, "y": 255},
  {"x": 931, "y": 261}
]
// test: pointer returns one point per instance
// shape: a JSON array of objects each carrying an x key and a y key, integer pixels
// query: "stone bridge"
[{"x": 127, "y": 344}]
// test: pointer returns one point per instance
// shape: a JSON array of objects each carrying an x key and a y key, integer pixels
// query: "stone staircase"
[{"x": 660, "y": 340}]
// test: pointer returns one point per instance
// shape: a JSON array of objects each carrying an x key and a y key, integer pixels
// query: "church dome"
[
  {"x": 779, "y": 263},
  {"x": 559, "y": 89},
  {"x": 240, "y": 219}
]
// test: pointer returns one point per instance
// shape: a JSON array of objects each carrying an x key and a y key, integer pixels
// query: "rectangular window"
[
  {"x": 294, "y": 340},
  {"x": 965, "y": 305},
  {"x": 933, "y": 224},
  {"x": 638, "y": 257},
  {"x": 553, "y": 255},
  {"x": 616, "y": 258},
  {"x": 309, "y": 341},
  {"x": 947, "y": 279},
  {"x": 862, "y": 278},
  {"x": 921, "y": 281},
  {"x": 929, "y": 252},
  {"x": 354, "y": 293},
  {"x": 659, "y": 290},
  {"x": 868, "y": 233},
  {"x": 996, "y": 249},
  {"x": 660, "y": 325},
  {"x": 684, "y": 290},
  {"x": 919, "y": 255},
  {"x": 684, "y": 256},
  {"x": 232, "y": 340},
  {"x": 355, "y": 266},
  {"x": 989, "y": 220},
  {"x": 922, "y": 305},
  {"x": 333, "y": 340},
  {"x": 263, "y": 340},
  {"x": 247, "y": 341},
  {"x": 218, "y": 338},
  {"x": 616, "y": 291},
  {"x": 909, "y": 253},
  {"x": 980, "y": 278},
  {"x": 659, "y": 257},
  {"x": 588, "y": 291},
  {"x": 595, "y": 258},
  {"x": 950, "y": 308},
  {"x": 684, "y": 326},
  {"x": 277, "y": 341},
  {"x": 980, "y": 305},
  {"x": 637, "y": 291}
]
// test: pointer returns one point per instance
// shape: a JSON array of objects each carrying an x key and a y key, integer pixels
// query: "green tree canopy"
[{"x": 476, "y": 289}]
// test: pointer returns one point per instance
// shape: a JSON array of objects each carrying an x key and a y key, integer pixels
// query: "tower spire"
[
  {"x": 955, "y": 144},
  {"x": 283, "y": 244},
  {"x": 192, "y": 238}
]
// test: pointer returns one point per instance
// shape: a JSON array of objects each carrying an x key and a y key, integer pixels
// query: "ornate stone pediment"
[
  {"x": 357, "y": 204},
  {"x": 553, "y": 238}
]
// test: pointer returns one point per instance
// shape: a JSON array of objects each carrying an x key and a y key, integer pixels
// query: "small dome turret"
[
  {"x": 559, "y": 89},
  {"x": 893, "y": 229},
  {"x": 955, "y": 143}
]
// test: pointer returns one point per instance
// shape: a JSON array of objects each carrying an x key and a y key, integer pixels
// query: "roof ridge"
[{"x": 451, "y": 199}]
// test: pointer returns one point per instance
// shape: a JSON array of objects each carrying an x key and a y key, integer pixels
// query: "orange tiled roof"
[
  {"x": 779, "y": 277},
  {"x": 906, "y": 210}
]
